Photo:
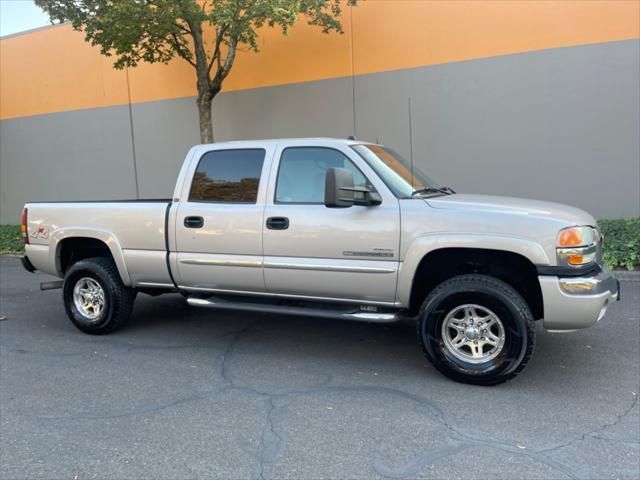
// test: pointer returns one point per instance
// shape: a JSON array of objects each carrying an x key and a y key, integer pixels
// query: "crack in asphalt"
[
  {"x": 629, "y": 443},
  {"x": 126, "y": 348},
  {"x": 272, "y": 443},
  {"x": 142, "y": 410},
  {"x": 426, "y": 458},
  {"x": 598, "y": 430},
  {"x": 540, "y": 454}
]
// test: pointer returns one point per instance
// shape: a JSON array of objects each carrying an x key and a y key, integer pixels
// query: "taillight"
[{"x": 23, "y": 227}]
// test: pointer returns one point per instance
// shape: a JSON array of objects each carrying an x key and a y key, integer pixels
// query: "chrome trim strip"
[
  {"x": 222, "y": 263},
  {"x": 282, "y": 295},
  {"x": 155, "y": 285},
  {"x": 328, "y": 268},
  {"x": 287, "y": 266}
]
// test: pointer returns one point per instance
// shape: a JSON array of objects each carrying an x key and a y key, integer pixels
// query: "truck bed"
[{"x": 136, "y": 227}]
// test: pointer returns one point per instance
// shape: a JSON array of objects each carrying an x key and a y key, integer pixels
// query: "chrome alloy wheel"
[
  {"x": 473, "y": 333},
  {"x": 88, "y": 297}
]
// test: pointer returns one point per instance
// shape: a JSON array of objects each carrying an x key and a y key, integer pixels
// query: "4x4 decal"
[{"x": 39, "y": 232}]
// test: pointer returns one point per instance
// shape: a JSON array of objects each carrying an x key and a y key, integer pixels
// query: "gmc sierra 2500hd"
[{"x": 333, "y": 228}]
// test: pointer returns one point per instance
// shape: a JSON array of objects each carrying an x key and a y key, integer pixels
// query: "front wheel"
[
  {"x": 96, "y": 300},
  {"x": 476, "y": 329}
]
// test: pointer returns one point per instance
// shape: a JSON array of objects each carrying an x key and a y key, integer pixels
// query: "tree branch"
[
  {"x": 180, "y": 49},
  {"x": 222, "y": 73},
  {"x": 231, "y": 55},
  {"x": 183, "y": 28},
  {"x": 216, "y": 51}
]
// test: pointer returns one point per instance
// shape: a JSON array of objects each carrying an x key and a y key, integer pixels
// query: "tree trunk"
[{"x": 204, "y": 114}]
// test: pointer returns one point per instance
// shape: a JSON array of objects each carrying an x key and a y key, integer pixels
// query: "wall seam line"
[
  {"x": 133, "y": 140},
  {"x": 353, "y": 72}
]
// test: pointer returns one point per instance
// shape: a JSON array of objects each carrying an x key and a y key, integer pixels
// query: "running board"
[
  {"x": 375, "y": 317},
  {"x": 54, "y": 285}
]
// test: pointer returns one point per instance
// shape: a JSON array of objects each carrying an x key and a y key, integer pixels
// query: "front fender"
[
  {"x": 108, "y": 238},
  {"x": 425, "y": 244}
]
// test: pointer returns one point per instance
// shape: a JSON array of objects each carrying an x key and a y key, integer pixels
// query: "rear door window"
[{"x": 228, "y": 176}]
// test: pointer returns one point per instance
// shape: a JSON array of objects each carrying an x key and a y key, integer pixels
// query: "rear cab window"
[{"x": 228, "y": 176}]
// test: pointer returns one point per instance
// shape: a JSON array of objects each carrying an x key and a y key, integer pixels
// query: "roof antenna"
[
  {"x": 351, "y": 137},
  {"x": 377, "y": 142},
  {"x": 411, "y": 144}
]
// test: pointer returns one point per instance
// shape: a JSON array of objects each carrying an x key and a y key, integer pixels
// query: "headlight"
[{"x": 577, "y": 246}]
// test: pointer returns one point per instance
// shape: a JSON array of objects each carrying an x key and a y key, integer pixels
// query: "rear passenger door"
[{"x": 219, "y": 224}]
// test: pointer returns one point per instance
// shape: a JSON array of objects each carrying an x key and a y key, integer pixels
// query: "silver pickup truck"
[{"x": 339, "y": 229}]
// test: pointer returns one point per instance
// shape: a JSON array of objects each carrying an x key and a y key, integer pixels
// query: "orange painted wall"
[
  {"x": 408, "y": 33},
  {"x": 54, "y": 70}
]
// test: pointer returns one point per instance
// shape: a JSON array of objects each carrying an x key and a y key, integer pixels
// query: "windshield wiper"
[{"x": 442, "y": 190}]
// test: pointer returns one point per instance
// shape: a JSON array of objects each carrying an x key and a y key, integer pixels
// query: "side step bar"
[
  {"x": 55, "y": 284},
  {"x": 376, "y": 317}
]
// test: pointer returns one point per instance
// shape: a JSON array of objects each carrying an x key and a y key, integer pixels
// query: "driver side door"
[{"x": 315, "y": 252}]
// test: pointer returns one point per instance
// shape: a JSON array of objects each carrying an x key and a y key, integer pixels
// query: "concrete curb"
[{"x": 627, "y": 276}]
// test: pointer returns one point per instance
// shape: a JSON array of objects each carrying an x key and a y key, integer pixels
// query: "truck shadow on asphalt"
[{"x": 385, "y": 346}]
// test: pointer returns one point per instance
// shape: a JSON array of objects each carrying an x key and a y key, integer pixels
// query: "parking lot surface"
[{"x": 188, "y": 393}]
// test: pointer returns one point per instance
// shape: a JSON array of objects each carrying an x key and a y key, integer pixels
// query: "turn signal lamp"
[
  {"x": 577, "y": 237},
  {"x": 575, "y": 259},
  {"x": 571, "y": 237}
]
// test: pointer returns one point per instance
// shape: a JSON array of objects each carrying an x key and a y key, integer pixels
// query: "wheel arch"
[
  {"x": 71, "y": 245},
  {"x": 435, "y": 260}
]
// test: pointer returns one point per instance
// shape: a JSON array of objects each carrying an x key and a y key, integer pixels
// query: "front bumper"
[{"x": 571, "y": 303}]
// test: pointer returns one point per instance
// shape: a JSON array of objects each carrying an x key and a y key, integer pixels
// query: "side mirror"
[
  {"x": 338, "y": 188},
  {"x": 340, "y": 192}
]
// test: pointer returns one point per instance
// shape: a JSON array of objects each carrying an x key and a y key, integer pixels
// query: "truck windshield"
[{"x": 395, "y": 172}]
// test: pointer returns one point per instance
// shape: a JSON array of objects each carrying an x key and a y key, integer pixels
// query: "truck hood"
[{"x": 516, "y": 206}]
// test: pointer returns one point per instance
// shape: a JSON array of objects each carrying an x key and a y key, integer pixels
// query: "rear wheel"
[
  {"x": 95, "y": 299},
  {"x": 476, "y": 329}
]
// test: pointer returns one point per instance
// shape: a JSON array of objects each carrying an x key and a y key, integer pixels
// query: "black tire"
[
  {"x": 494, "y": 295},
  {"x": 118, "y": 299}
]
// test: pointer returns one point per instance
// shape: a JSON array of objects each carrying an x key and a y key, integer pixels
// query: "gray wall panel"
[
  {"x": 323, "y": 108},
  {"x": 559, "y": 125},
  {"x": 163, "y": 133},
  {"x": 77, "y": 155}
]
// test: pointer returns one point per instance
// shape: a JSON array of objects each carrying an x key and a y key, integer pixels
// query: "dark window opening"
[{"x": 230, "y": 176}]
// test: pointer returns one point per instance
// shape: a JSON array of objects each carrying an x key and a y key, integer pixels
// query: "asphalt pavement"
[{"x": 183, "y": 392}]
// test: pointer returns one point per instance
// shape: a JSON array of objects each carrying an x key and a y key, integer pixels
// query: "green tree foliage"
[{"x": 152, "y": 31}]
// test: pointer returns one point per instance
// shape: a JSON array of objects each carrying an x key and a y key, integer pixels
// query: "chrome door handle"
[
  {"x": 277, "y": 223},
  {"x": 193, "y": 222}
]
